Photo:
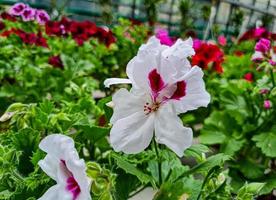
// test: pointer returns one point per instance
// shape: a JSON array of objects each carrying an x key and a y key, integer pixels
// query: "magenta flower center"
[
  {"x": 72, "y": 185},
  {"x": 19, "y": 8},
  {"x": 161, "y": 92}
]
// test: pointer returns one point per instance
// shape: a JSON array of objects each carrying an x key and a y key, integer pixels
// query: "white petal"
[
  {"x": 50, "y": 166},
  {"x": 61, "y": 148},
  {"x": 170, "y": 131},
  {"x": 174, "y": 62},
  {"x": 139, "y": 68},
  {"x": 132, "y": 134},
  {"x": 181, "y": 49},
  {"x": 113, "y": 81},
  {"x": 153, "y": 46},
  {"x": 257, "y": 56},
  {"x": 147, "y": 59},
  {"x": 56, "y": 192},
  {"x": 57, "y": 145},
  {"x": 196, "y": 94},
  {"x": 78, "y": 169},
  {"x": 126, "y": 103}
]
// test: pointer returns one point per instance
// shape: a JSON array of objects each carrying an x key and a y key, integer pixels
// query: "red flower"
[
  {"x": 238, "y": 53},
  {"x": 255, "y": 34},
  {"x": 7, "y": 16},
  {"x": 2, "y": 26},
  {"x": 208, "y": 54},
  {"x": 80, "y": 31},
  {"x": 249, "y": 77},
  {"x": 90, "y": 28},
  {"x": 106, "y": 36},
  {"x": 27, "y": 38},
  {"x": 56, "y": 62}
]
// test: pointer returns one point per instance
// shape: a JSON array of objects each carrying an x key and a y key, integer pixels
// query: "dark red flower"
[
  {"x": 135, "y": 22},
  {"x": 2, "y": 26},
  {"x": 238, "y": 53},
  {"x": 255, "y": 34},
  {"x": 41, "y": 41},
  {"x": 90, "y": 28},
  {"x": 208, "y": 55},
  {"x": 27, "y": 38},
  {"x": 56, "y": 62},
  {"x": 105, "y": 36},
  {"x": 53, "y": 28},
  {"x": 80, "y": 31},
  {"x": 7, "y": 16},
  {"x": 249, "y": 77}
]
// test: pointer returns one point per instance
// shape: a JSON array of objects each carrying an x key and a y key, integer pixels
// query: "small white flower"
[
  {"x": 63, "y": 164},
  {"x": 163, "y": 85}
]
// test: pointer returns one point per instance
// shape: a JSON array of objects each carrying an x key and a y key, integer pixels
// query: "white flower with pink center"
[
  {"x": 42, "y": 16},
  {"x": 28, "y": 14},
  {"x": 63, "y": 164},
  {"x": 17, "y": 9},
  {"x": 163, "y": 85}
]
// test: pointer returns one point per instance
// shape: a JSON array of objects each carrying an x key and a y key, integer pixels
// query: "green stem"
[
  {"x": 138, "y": 191},
  {"x": 159, "y": 162},
  {"x": 272, "y": 78}
]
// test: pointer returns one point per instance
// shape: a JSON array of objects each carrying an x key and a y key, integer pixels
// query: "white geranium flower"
[
  {"x": 63, "y": 164},
  {"x": 163, "y": 85}
]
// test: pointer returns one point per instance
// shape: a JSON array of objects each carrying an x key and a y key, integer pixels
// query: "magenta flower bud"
[
  {"x": 222, "y": 40},
  {"x": 267, "y": 104},
  {"x": 163, "y": 36},
  {"x": 17, "y": 9},
  {"x": 273, "y": 63},
  {"x": 264, "y": 91},
  {"x": 28, "y": 14},
  {"x": 42, "y": 16},
  {"x": 196, "y": 44},
  {"x": 263, "y": 45}
]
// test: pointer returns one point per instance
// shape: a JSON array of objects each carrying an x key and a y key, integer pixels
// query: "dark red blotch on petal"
[
  {"x": 156, "y": 81},
  {"x": 180, "y": 90}
]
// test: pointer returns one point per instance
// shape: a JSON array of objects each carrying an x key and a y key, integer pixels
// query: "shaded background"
[{"x": 230, "y": 17}]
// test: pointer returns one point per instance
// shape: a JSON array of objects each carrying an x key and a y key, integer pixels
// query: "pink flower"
[
  {"x": 196, "y": 44},
  {"x": 258, "y": 32},
  {"x": 28, "y": 14},
  {"x": 264, "y": 91},
  {"x": 249, "y": 77},
  {"x": 263, "y": 45},
  {"x": 42, "y": 17},
  {"x": 267, "y": 104},
  {"x": 163, "y": 36},
  {"x": 17, "y": 9},
  {"x": 272, "y": 62},
  {"x": 222, "y": 40}
]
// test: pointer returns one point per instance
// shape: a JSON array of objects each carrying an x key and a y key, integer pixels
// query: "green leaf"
[
  {"x": 248, "y": 191},
  {"x": 270, "y": 184},
  {"x": 211, "y": 135},
  {"x": 94, "y": 133},
  {"x": 267, "y": 143},
  {"x": 212, "y": 161},
  {"x": 196, "y": 151},
  {"x": 246, "y": 166},
  {"x": 26, "y": 141},
  {"x": 187, "y": 188},
  {"x": 231, "y": 146},
  {"x": 46, "y": 106},
  {"x": 132, "y": 169}
]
